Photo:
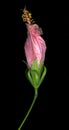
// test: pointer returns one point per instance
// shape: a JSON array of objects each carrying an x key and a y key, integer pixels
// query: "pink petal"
[{"x": 35, "y": 46}]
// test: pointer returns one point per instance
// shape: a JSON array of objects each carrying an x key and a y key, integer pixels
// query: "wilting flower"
[{"x": 35, "y": 48}]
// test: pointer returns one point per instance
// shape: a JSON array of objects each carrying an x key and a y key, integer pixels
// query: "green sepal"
[
  {"x": 35, "y": 66},
  {"x": 36, "y": 74},
  {"x": 43, "y": 75}
]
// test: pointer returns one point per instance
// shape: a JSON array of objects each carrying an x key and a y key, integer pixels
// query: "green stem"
[{"x": 35, "y": 96}]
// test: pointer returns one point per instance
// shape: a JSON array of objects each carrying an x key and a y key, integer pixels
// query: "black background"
[{"x": 50, "y": 109}]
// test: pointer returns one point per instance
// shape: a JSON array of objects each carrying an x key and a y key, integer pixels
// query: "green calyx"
[{"x": 36, "y": 74}]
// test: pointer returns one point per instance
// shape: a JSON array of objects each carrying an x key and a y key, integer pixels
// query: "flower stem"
[{"x": 35, "y": 96}]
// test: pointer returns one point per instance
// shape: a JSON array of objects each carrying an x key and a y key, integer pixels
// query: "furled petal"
[{"x": 35, "y": 46}]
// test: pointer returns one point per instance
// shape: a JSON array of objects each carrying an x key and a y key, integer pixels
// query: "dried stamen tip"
[{"x": 27, "y": 16}]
